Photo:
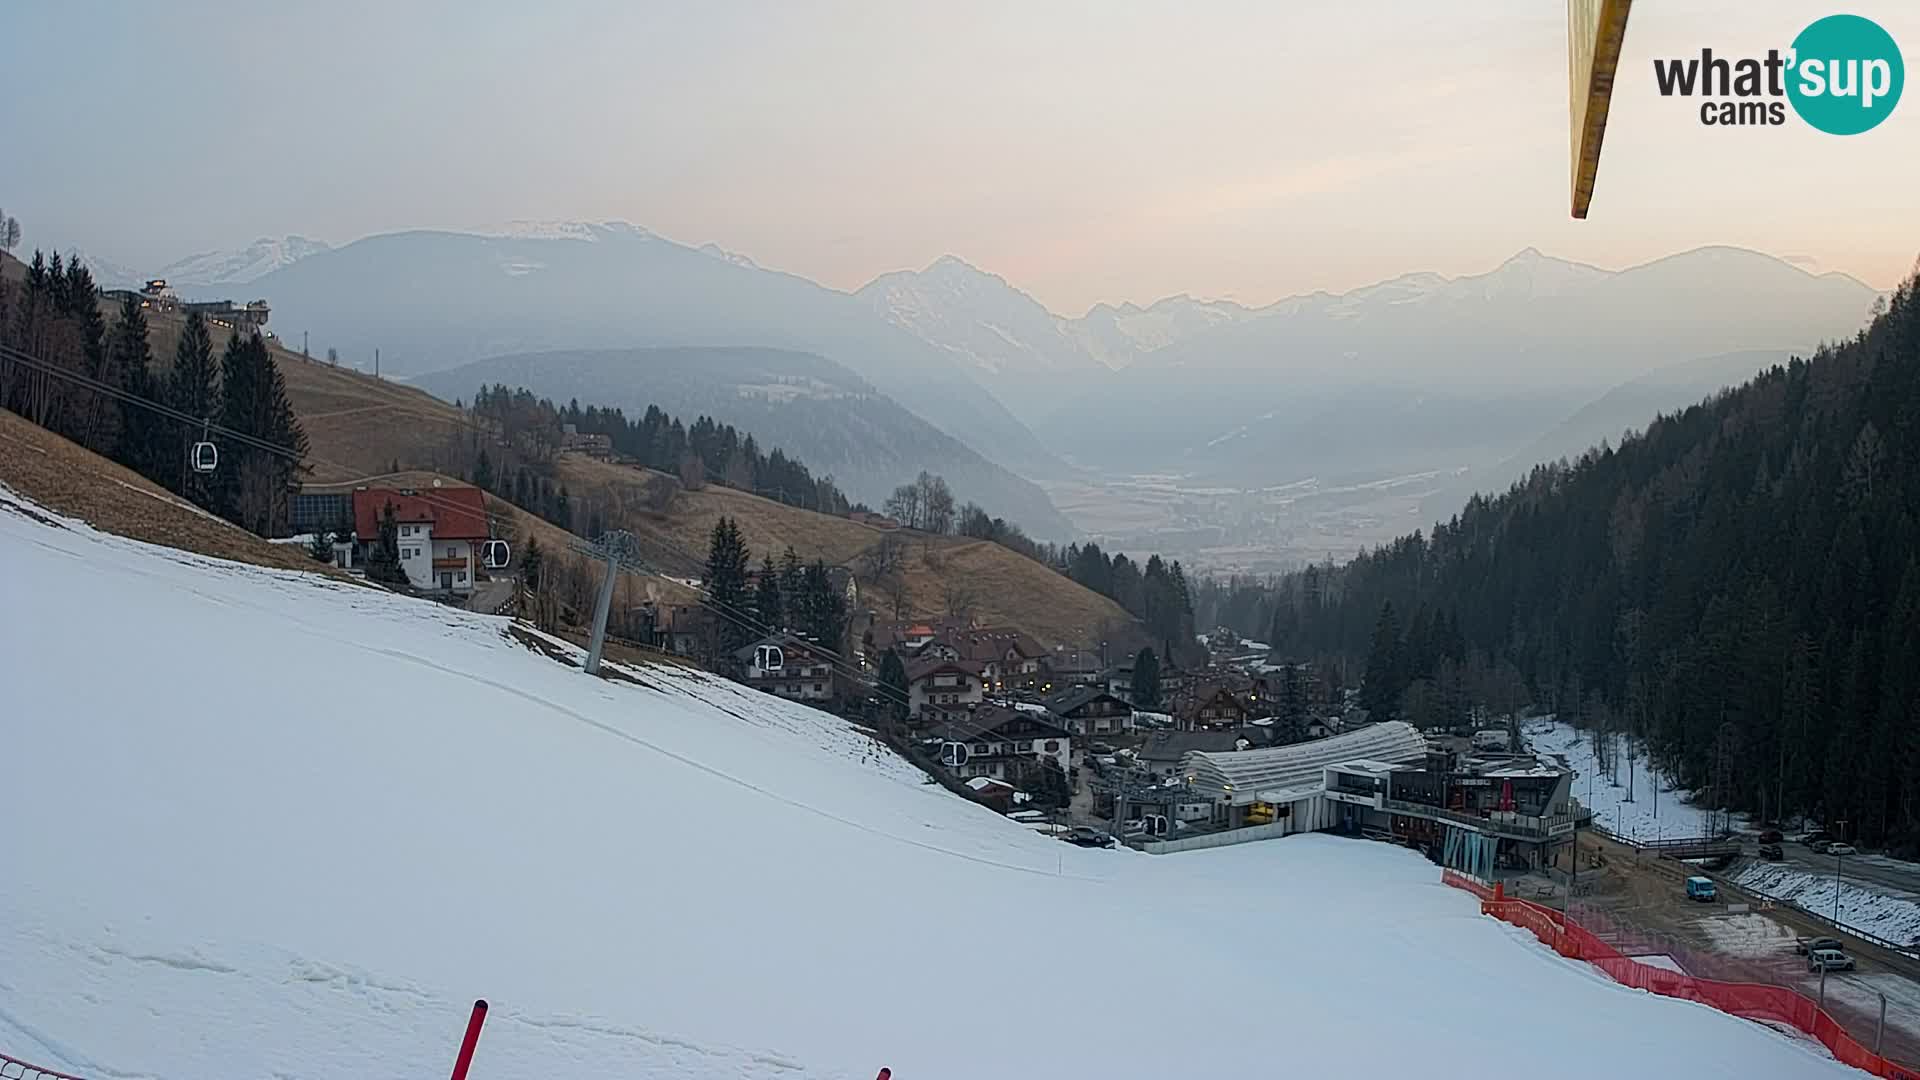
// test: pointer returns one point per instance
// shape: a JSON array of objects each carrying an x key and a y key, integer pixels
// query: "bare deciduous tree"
[
  {"x": 885, "y": 558},
  {"x": 693, "y": 472},
  {"x": 959, "y": 597}
]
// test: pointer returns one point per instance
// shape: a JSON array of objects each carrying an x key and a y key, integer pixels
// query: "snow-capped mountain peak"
[
  {"x": 257, "y": 259},
  {"x": 724, "y": 255},
  {"x": 542, "y": 229}
]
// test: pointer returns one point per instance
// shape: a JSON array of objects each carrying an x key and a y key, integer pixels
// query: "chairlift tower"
[{"x": 621, "y": 551}]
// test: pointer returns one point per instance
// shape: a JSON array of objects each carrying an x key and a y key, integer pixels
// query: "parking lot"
[{"x": 1737, "y": 939}]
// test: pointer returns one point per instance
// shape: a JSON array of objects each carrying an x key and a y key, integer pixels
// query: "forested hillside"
[
  {"x": 1738, "y": 585},
  {"x": 811, "y": 407}
]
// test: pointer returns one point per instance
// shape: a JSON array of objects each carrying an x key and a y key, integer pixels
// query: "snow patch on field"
[
  {"x": 1893, "y": 918},
  {"x": 1748, "y": 936},
  {"x": 1661, "y": 961},
  {"x": 286, "y": 827}
]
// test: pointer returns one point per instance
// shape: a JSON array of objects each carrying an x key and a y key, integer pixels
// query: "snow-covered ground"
[
  {"x": 1661, "y": 961},
  {"x": 1897, "y": 919},
  {"x": 1645, "y": 818},
  {"x": 261, "y": 824}
]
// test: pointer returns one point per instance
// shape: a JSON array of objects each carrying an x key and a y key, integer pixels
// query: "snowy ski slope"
[{"x": 260, "y": 825}]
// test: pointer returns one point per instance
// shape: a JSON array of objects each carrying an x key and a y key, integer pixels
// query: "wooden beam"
[{"x": 1595, "y": 31}]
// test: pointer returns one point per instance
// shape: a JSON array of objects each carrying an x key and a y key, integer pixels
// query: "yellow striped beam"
[{"x": 1595, "y": 31}]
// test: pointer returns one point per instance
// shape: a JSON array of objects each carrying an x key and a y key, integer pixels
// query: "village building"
[
  {"x": 1074, "y": 667},
  {"x": 573, "y": 440},
  {"x": 935, "y": 685},
  {"x": 1008, "y": 660},
  {"x": 1090, "y": 710},
  {"x": 787, "y": 666},
  {"x": 1285, "y": 789},
  {"x": 438, "y": 533},
  {"x": 1216, "y": 706},
  {"x": 1005, "y": 743}
]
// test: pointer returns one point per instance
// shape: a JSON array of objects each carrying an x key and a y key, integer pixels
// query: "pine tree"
[
  {"x": 1146, "y": 680},
  {"x": 193, "y": 388},
  {"x": 483, "y": 471},
  {"x": 1293, "y": 705},
  {"x": 893, "y": 685},
  {"x": 767, "y": 602},
  {"x": 145, "y": 444},
  {"x": 251, "y": 486},
  {"x": 825, "y": 607},
  {"x": 1381, "y": 687},
  {"x": 790, "y": 579},
  {"x": 726, "y": 582},
  {"x": 321, "y": 546},
  {"x": 383, "y": 557}
]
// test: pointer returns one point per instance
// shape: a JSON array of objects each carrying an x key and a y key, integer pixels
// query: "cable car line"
[{"x": 738, "y": 617}]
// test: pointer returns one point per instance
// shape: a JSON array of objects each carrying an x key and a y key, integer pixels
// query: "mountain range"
[
  {"x": 1466, "y": 369},
  {"x": 433, "y": 300},
  {"x": 1419, "y": 372},
  {"x": 207, "y": 271}
]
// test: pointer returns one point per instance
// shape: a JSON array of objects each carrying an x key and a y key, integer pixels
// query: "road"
[
  {"x": 1645, "y": 899},
  {"x": 490, "y": 596},
  {"x": 1891, "y": 876}
]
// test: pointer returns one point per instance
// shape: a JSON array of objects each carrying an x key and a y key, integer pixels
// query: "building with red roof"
[{"x": 438, "y": 532}]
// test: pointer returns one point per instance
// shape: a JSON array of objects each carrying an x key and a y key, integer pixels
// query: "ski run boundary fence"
[
  {"x": 1750, "y": 1001},
  {"x": 15, "y": 1069}
]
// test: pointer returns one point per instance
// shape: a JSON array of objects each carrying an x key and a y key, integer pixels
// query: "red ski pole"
[{"x": 473, "y": 1036}]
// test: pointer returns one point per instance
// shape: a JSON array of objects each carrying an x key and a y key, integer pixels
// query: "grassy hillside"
[
  {"x": 807, "y": 405},
  {"x": 66, "y": 477},
  {"x": 1003, "y": 587},
  {"x": 360, "y": 426}
]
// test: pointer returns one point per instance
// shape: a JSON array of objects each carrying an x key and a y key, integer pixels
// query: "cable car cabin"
[
  {"x": 205, "y": 457},
  {"x": 769, "y": 658},
  {"x": 495, "y": 554}
]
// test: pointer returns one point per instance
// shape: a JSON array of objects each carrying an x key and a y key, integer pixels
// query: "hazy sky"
[{"x": 1087, "y": 151}]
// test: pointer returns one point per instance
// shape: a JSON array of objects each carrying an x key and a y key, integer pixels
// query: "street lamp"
[{"x": 1836, "y": 886}]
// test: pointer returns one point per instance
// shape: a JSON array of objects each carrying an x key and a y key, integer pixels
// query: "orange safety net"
[{"x": 1754, "y": 1001}]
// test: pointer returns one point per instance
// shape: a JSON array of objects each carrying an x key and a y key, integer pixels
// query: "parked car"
[
  {"x": 1803, "y": 946},
  {"x": 1772, "y": 852},
  {"x": 1702, "y": 889},
  {"x": 1771, "y": 836},
  {"x": 1829, "y": 960},
  {"x": 1841, "y": 849},
  {"x": 1088, "y": 836},
  {"x": 1820, "y": 846}
]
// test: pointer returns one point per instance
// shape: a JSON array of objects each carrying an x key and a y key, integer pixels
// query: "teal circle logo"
[{"x": 1847, "y": 75}]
